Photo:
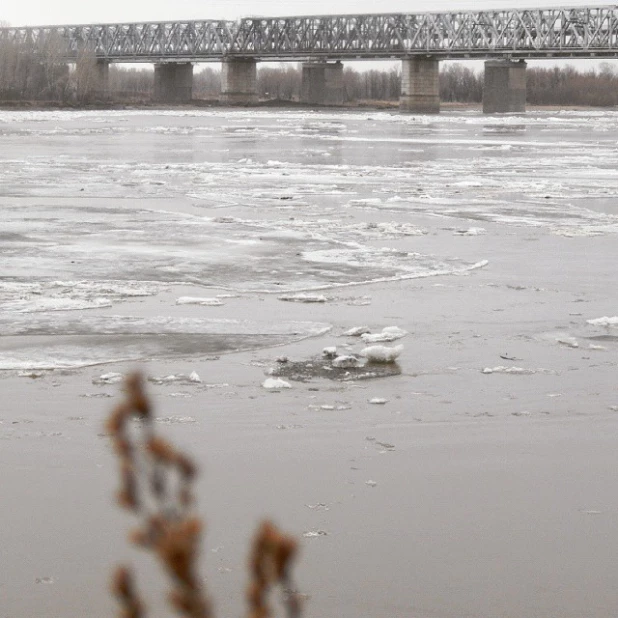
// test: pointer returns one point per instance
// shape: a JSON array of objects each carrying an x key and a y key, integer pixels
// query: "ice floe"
[
  {"x": 194, "y": 300},
  {"x": 604, "y": 321},
  {"x": 303, "y": 298},
  {"x": 272, "y": 384},
  {"x": 516, "y": 371},
  {"x": 382, "y": 354},
  {"x": 389, "y": 333}
]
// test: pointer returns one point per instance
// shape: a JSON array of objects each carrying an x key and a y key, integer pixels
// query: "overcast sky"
[{"x": 41, "y": 12}]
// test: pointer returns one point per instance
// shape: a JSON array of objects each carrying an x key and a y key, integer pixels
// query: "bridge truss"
[{"x": 539, "y": 33}]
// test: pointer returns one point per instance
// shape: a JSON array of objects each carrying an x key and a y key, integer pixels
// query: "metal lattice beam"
[{"x": 540, "y": 33}]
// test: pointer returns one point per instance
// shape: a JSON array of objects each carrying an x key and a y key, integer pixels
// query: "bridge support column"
[
  {"x": 239, "y": 82},
  {"x": 322, "y": 83},
  {"x": 173, "y": 82},
  {"x": 420, "y": 86},
  {"x": 505, "y": 87},
  {"x": 101, "y": 78}
]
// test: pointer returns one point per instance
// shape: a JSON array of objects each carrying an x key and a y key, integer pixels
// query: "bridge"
[{"x": 504, "y": 38}]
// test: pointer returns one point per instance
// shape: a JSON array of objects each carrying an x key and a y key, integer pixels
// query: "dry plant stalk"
[
  {"x": 156, "y": 482},
  {"x": 269, "y": 564},
  {"x": 156, "y": 486}
]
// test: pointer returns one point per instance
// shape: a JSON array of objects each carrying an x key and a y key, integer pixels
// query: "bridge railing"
[{"x": 556, "y": 32}]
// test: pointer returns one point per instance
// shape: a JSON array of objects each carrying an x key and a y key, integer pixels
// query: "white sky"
[{"x": 48, "y": 12}]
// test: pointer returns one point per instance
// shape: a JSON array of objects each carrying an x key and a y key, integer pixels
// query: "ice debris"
[
  {"x": 604, "y": 321},
  {"x": 571, "y": 342},
  {"x": 347, "y": 362},
  {"x": 31, "y": 374},
  {"x": 330, "y": 352},
  {"x": 314, "y": 534},
  {"x": 378, "y": 401},
  {"x": 194, "y": 300},
  {"x": 108, "y": 378},
  {"x": 520, "y": 371},
  {"x": 390, "y": 333},
  {"x": 180, "y": 378},
  {"x": 357, "y": 331},
  {"x": 370, "y": 483},
  {"x": 303, "y": 298},
  {"x": 471, "y": 231},
  {"x": 275, "y": 384},
  {"x": 382, "y": 353}
]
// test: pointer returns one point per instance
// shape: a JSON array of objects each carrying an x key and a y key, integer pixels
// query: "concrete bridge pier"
[
  {"x": 420, "y": 85},
  {"x": 505, "y": 87},
  {"x": 322, "y": 83},
  {"x": 239, "y": 82},
  {"x": 173, "y": 82},
  {"x": 101, "y": 78}
]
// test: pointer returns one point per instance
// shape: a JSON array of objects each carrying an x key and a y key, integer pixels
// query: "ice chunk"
[
  {"x": 275, "y": 384},
  {"x": 194, "y": 300},
  {"x": 108, "y": 378},
  {"x": 382, "y": 353},
  {"x": 178, "y": 378},
  {"x": 568, "y": 341},
  {"x": 378, "y": 401},
  {"x": 509, "y": 370},
  {"x": 330, "y": 352},
  {"x": 357, "y": 331},
  {"x": 303, "y": 298},
  {"x": 472, "y": 231},
  {"x": 314, "y": 534},
  {"x": 390, "y": 333},
  {"x": 604, "y": 321},
  {"x": 347, "y": 362}
]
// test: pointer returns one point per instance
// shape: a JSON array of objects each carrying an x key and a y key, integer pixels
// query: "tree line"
[{"x": 25, "y": 76}]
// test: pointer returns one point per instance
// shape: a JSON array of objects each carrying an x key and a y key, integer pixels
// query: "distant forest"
[{"x": 26, "y": 77}]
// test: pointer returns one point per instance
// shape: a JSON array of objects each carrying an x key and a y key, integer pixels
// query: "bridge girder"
[{"x": 538, "y": 33}]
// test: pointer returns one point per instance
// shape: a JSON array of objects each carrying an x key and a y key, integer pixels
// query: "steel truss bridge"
[{"x": 539, "y": 33}]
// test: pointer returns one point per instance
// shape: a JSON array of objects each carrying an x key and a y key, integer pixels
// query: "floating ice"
[
  {"x": 275, "y": 384},
  {"x": 180, "y": 378},
  {"x": 471, "y": 231},
  {"x": 382, "y": 354},
  {"x": 390, "y": 333},
  {"x": 108, "y": 378},
  {"x": 371, "y": 483},
  {"x": 571, "y": 342},
  {"x": 330, "y": 352},
  {"x": 378, "y": 401},
  {"x": 357, "y": 331},
  {"x": 314, "y": 534},
  {"x": 519, "y": 371},
  {"x": 175, "y": 420},
  {"x": 206, "y": 302},
  {"x": 31, "y": 374},
  {"x": 604, "y": 321},
  {"x": 347, "y": 362},
  {"x": 303, "y": 298}
]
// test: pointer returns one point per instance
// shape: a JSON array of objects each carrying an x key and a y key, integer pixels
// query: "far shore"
[{"x": 271, "y": 103}]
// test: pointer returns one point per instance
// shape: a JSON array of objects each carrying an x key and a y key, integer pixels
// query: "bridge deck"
[{"x": 538, "y": 33}]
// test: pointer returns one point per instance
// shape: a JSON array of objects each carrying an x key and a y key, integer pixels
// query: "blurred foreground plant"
[{"x": 156, "y": 486}]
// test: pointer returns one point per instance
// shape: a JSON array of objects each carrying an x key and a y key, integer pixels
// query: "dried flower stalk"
[
  {"x": 269, "y": 564},
  {"x": 156, "y": 486}
]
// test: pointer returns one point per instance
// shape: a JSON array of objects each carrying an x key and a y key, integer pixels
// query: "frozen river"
[
  {"x": 476, "y": 477},
  {"x": 187, "y": 209}
]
